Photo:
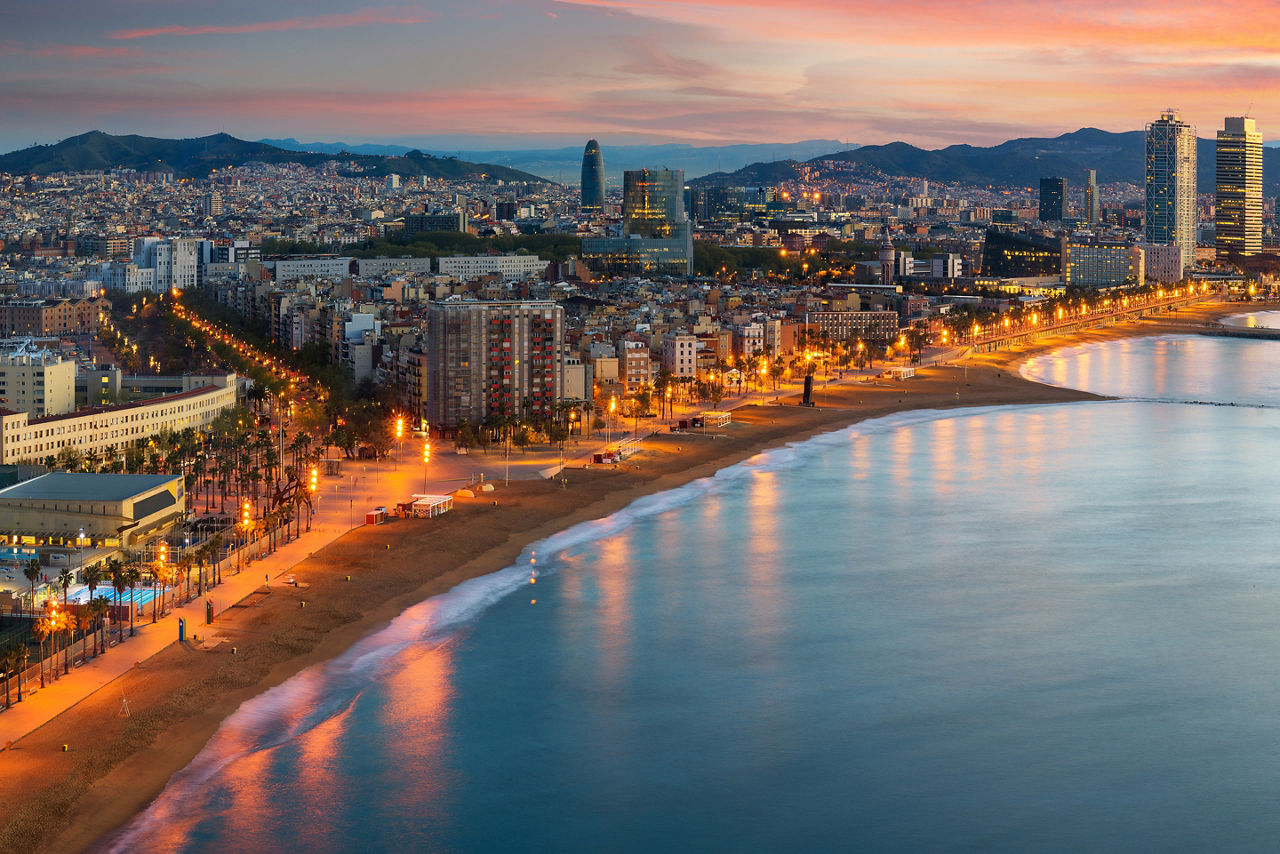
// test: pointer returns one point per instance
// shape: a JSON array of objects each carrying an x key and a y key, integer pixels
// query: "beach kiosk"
[{"x": 430, "y": 506}]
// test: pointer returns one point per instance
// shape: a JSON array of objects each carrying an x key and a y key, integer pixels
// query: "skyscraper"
[
  {"x": 656, "y": 233},
  {"x": 1053, "y": 199},
  {"x": 592, "y": 179},
  {"x": 1238, "y": 204},
  {"x": 652, "y": 202},
  {"x": 1092, "y": 209},
  {"x": 1171, "y": 184}
]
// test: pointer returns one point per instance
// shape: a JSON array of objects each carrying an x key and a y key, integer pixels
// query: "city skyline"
[{"x": 639, "y": 71}]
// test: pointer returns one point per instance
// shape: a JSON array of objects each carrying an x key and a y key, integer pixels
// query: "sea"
[{"x": 1015, "y": 628}]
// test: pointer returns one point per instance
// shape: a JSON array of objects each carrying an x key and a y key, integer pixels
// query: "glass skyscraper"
[
  {"x": 657, "y": 237},
  {"x": 592, "y": 179},
  {"x": 1171, "y": 184},
  {"x": 1053, "y": 199}
]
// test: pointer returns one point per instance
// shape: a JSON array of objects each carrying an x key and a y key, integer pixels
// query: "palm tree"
[
  {"x": 98, "y": 611},
  {"x": 133, "y": 574},
  {"x": 42, "y": 629},
  {"x": 66, "y": 625},
  {"x": 65, "y": 578},
  {"x": 32, "y": 572},
  {"x": 120, "y": 583},
  {"x": 92, "y": 576},
  {"x": 10, "y": 663},
  {"x": 215, "y": 552}
]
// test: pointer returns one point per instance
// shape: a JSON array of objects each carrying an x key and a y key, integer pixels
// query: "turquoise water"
[{"x": 1040, "y": 628}]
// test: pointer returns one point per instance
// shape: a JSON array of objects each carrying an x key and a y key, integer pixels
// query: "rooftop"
[{"x": 64, "y": 486}]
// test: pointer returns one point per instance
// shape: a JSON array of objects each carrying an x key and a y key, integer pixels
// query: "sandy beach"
[{"x": 65, "y": 801}]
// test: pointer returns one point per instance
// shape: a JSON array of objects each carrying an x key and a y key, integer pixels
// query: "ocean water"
[{"x": 1050, "y": 628}]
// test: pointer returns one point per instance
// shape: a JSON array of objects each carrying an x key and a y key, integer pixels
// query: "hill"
[
  {"x": 1117, "y": 157},
  {"x": 194, "y": 158}
]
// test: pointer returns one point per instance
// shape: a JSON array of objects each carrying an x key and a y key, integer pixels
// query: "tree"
[
  {"x": 119, "y": 583},
  {"x": 92, "y": 578},
  {"x": 133, "y": 574},
  {"x": 98, "y": 607},
  {"x": 65, "y": 578},
  {"x": 11, "y": 663},
  {"x": 32, "y": 572},
  {"x": 44, "y": 628}
]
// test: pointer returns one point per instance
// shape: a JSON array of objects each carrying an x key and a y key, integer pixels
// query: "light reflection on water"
[{"x": 1043, "y": 628}]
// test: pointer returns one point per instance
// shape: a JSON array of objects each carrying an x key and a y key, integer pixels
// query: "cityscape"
[{"x": 573, "y": 481}]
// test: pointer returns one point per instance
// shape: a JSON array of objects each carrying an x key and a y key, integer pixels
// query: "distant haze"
[{"x": 563, "y": 163}]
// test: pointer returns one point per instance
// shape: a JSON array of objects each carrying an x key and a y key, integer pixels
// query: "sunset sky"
[{"x": 514, "y": 74}]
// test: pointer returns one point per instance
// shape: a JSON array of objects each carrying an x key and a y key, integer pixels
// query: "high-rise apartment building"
[
  {"x": 491, "y": 359},
  {"x": 1171, "y": 184},
  {"x": 1238, "y": 203},
  {"x": 1092, "y": 208},
  {"x": 1053, "y": 199},
  {"x": 592, "y": 179}
]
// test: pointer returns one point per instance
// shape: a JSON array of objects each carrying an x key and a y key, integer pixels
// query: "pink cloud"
[{"x": 335, "y": 21}]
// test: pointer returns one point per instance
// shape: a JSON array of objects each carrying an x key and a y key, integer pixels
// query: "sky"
[{"x": 524, "y": 73}]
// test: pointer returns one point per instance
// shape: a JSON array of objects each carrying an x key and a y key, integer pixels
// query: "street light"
[{"x": 426, "y": 458}]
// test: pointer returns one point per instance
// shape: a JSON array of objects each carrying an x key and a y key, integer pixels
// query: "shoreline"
[{"x": 178, "y": 699}]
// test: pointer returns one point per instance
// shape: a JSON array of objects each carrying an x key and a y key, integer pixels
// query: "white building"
[
  {"x": 679, "y": 354},
  {"x": 37, "y": 382},
  {"x": 125, "y": 276},
  {"x": 176, "y": 261},
  {"x": 288, "y": 269},
  {"x": 113, "y": 428},
  {"x": 946, "y": 266},
  {"x": 466, "y": 267}
]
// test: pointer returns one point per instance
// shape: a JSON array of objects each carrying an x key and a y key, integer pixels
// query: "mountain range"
[
  {"x": 195, "y": 158},
  {"x": 564, "y": 163},
  {"x": 1117, "y": 157}
]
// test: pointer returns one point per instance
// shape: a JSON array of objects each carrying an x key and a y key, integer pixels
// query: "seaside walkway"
[{"x": 340, "y": 508}]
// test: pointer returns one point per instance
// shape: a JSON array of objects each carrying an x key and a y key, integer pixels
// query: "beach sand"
[{"x": 66, "y": 801}]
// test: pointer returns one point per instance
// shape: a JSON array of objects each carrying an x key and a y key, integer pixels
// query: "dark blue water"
[{"x": 1046, "y": 628}]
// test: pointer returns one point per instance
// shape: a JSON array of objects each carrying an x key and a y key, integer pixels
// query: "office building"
[
  {"x": 1238, "y": 203},
  {"x": 1092, "y": 207},
  {"x": 492, "y": 359},
  {"x": 1053, "y": 199},
  {"x": 1104, "y": 265},
  {"x": 440, "y": 221},
  {"x": 1008, "y": 255},
  {"x": 1171, "y": 184},
  {"x": 657, "y": 238},
  {"x": 592, "y": 179}
]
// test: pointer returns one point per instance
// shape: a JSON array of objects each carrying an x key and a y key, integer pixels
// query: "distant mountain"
[
  {"x": 564, "y": 163},
  {"x": 194, "y": 158},
  {"x": 1117, "y": 157},
  {"x": 387, "y": 149}
]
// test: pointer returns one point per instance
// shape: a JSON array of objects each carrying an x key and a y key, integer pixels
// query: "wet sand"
[{"x": 51, "y": 800}]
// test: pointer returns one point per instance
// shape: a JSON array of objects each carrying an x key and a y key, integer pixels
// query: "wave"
[{"x": 323, "y": 691}]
